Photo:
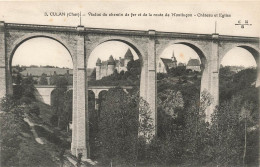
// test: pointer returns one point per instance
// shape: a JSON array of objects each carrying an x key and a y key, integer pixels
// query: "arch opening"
[
  {"x": 112, "y": 62},
  {"x": 180, "y": 69},
  {"x": 43, "y": 39},
  {"x": 45, "y": 63},
  {"x": 239, "y": 71},
  {"x": 241, "y": 56},
  {"x": 39, "y": 55}
]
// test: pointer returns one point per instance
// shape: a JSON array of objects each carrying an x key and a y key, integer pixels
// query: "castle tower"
[
  {"x": 110, "y": 65},
  {"x": 174, "y": 61},
  {"x": 128, "y": 57},
  {"x": 98, "y": 69}
]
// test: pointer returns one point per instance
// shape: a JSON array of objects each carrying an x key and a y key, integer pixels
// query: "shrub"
[{"x": 34, "y": 109}]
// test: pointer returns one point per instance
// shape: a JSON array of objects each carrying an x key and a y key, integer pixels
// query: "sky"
[{"x": 35, "y": 51}]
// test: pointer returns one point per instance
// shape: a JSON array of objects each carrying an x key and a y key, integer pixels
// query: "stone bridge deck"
[{"x": 44, "y": 91}]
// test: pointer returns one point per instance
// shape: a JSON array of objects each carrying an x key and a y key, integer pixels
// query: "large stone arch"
[
  {"x": 250, "y": 48},
  {"x": 128, "y": 41},
  {"x": 207, "y": 51},
  {"x": 72, "y": 38},
  {"x": 91, "y": 92},
  {"x": 38, "y": 96},
  {"x": 14, "y": 41},
  {"x": 226, "y": 47},
  {"x": 19, "y": 41},
  {"x": 198, "y": 48},
  {"x": 139, "y": 45},
  {"x": 101, "y": 92},
  {"x": 253, "y": 49}
]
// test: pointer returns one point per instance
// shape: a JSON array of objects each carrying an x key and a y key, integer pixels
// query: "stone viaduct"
[
  {"x": 43, "y": 92},
  {"x": 80, "y": 41}
]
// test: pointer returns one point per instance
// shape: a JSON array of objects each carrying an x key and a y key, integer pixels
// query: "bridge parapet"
[
  {"x": 44, "y": 91},
  {"x": 127, "y": 32}
]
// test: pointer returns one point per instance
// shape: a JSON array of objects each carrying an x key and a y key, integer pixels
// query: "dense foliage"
[
  {"x": 43, "y": 79},
  {"x": 18, "y": 146},
  {"x": 24, "y": 90},
  {"x": 118, "y": 128},
  {"x": 183, "y": 137},
  {"x": 61, "y": 102},
  {"x": 121, "y": 129}
]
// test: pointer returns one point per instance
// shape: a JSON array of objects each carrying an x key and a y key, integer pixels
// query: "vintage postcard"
[{"x": 129, "y": 83}]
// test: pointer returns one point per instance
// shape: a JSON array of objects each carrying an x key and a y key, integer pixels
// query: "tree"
[
  {"x": 68, "y": 108},
  {"x": 226, "y": 133},
  {"x": 43, "y": 79},
  {"x": 25, "y": 92},
  {"x": 195, "y": 130},
  {"x": 18, "y": 145},
  {"x": 53, "y": 79},
  {"x": 134, "y": 69},
  {"x": 18, "y": 78},
  {"x": 34, "y": 109},
  {"x": 59, "y": 94},
  {"x": 134, "y": 66},
  {"x": 169, "y": 103},
  {"x": 178, "y": 71},
  {"x": 245, "y": 116},
  {"x": 10, "y": 126},
  {"x": 118, "y": 128},
  {"x": 28, "y": 87}
]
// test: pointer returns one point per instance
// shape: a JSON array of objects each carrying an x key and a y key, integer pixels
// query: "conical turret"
[
  {"x": 111, "y": 61},
  {"x": 129, "y": 55},
  {"x": 110, "y": 65},
  {"x": 98, "y": 63}
]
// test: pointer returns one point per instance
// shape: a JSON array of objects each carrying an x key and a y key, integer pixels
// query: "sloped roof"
[
  {"x": 174, "y": 59},
  {"x": 193, "y": 62},
  {"x": 98, "y": 61},
  {"x": 128, "y": 54},
  {"x": 166, "y": 61},
  {"x": 111, "y": 61}
]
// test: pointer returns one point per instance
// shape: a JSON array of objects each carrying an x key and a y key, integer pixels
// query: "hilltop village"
[{"x": 44, "y": 75}]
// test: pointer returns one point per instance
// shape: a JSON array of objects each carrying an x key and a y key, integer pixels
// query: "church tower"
[
  {"x": 110, "y": 65},
  {"x": 174, "y": 61},
  {"x": 98, "y": 69}
]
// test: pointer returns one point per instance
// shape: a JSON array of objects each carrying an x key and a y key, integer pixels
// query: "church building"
[{"x": 165, "y": 64}]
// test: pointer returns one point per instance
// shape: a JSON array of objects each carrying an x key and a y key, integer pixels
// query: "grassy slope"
[{"x": 55, "y": 139}]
